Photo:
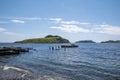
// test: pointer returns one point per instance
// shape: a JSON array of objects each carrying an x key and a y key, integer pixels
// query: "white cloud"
[
  {"x": 22, "y": 18},
  {"x": 11, "y": 33},
  {"x": 29, "y": 18},
  {"x": 18, "y": 21},
  {"x": 55, "y": 19},
  {"x": 108, "y": 29},
  {"x": 2, "y": 29},
  {"x": 69, "y": 22},
  {"x": 84, "y": 23},
  {"x": 60, "y": 21},
  {"x": 70, "y": 28}
]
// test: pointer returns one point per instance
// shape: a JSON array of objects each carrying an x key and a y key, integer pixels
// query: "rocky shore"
[{"x": 12, "y": 50}]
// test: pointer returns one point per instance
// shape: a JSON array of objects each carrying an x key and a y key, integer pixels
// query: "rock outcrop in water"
[
  {"x": 69, "y": 46},
  {"x": 12, "y": 50},
  {"x": 47, "y": 39}
]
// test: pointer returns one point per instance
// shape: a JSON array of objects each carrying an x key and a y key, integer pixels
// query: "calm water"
[{"x": 90, "y": 61}]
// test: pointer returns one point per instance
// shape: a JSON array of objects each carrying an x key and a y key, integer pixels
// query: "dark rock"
[
  {"x": 12, "y": 50},
  {"x": 69, "y": 46}
]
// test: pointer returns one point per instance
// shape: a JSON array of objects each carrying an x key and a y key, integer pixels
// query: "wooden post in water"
[
  {"x": 49, "y": 47},
  {"x": 65, "y": 49},
  {"x": 52, "y": 48},
  {"x": 58, "y": 47}
]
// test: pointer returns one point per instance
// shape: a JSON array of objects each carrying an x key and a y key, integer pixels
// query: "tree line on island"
[{"x": 59, "y": 39}]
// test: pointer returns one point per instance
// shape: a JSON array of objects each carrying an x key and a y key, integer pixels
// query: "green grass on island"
[{"x": 47, "y": 39}]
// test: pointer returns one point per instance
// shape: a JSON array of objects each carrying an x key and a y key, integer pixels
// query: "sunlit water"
[{"x": 90, "y": 61}]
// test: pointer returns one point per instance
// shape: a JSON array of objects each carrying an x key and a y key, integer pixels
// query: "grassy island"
[
  {"x": 47, "y": 39},
  {"x": 86, "y": 41}
]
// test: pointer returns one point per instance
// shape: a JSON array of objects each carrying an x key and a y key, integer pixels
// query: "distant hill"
[
  {"x": 47, "y": 39},
  {"x": 111, "y": 41},
  {"x": 86, "y": 41}
]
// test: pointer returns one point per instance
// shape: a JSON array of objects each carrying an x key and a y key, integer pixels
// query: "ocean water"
[{"x": 90, "y": 61}]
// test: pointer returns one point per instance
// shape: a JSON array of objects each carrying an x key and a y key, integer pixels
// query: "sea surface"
[{"x": 89, "y": 61}]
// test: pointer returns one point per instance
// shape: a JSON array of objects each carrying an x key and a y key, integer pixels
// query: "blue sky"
[{"x": 75, "y": 20}]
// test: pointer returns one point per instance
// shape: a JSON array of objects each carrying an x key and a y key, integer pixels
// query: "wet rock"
[
  {"x": 12, "y": 50},
  {"x": 15, "y": 73}
]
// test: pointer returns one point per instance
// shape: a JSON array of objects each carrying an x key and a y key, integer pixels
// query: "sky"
[{"x": 97, "y": 20}]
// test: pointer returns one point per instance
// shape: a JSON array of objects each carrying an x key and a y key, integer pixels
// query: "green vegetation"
[
  {"x": 47, "y": 39},
  {"x": 86, "y": 41},
  {"x": 111, "y": 41}
]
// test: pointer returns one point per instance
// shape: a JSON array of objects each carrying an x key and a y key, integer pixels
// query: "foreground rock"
[
  {"x": 16, "y": 73},
  {"x": 12, "y": 50}
]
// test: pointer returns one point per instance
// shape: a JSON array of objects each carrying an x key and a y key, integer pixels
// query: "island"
[
  {"x": 86, "y": 41},
  {"x": 47, "y": 39},
  {"x": 111, "y": 41}
]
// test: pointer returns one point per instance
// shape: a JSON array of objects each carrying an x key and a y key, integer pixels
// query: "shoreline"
[{"x": 13, "y": 50}]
